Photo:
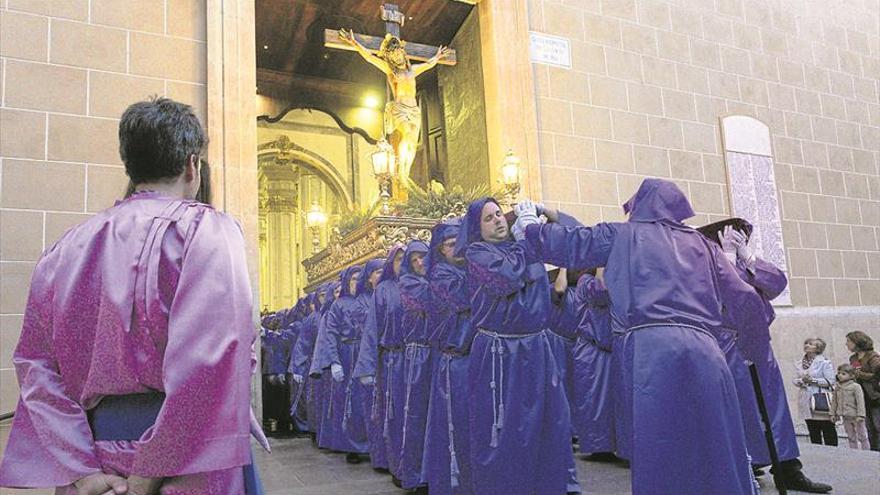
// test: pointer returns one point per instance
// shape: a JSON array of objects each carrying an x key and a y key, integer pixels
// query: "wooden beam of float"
[{"x": 415, "y": 51}]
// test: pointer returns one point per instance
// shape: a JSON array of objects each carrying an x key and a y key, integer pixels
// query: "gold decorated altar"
[{"x": 371, "y": 240}]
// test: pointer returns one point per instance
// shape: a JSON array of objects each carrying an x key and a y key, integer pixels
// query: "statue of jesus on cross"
[{"x": 403, "y": 117}]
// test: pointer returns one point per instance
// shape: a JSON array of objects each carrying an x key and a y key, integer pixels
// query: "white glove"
[
  {"x": 741, "y": 243},
  {"x": 282, "y": 379},
  {"x": 728, "y": 245},
  {"x": 519, "y": 226},
  {"x": 518, "y": 229},
  {"x": 368, "y": 380},
  {"x": 337, "y": 372},
  {"x": 525, "y": 208},
  {"x": 725, "y": 237},
  {"x": 298, "y": 378}
]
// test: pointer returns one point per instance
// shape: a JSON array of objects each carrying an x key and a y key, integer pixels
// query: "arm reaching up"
[{"x": 350, "y": 38}]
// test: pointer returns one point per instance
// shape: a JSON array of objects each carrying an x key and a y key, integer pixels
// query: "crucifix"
[{"x": 393, "y": 56}]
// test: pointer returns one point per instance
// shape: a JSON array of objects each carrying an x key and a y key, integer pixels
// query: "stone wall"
[
  {"x": 649, "y": 81},
  {"x": 68, "y": 68}
]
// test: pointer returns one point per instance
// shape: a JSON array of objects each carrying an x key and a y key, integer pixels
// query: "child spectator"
[{"x": 849, "y": 404}]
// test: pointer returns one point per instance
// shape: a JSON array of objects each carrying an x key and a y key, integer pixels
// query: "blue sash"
[{"x": 128, "y": 417}]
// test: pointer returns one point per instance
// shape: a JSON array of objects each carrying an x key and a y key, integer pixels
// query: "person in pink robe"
[{"x": 147, "y": 299}]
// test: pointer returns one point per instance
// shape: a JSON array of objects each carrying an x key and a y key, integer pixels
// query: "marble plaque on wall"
[{"x": 753, "y": 196}]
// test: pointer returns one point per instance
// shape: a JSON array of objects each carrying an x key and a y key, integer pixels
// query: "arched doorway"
[{"x": 291, "y": 180}]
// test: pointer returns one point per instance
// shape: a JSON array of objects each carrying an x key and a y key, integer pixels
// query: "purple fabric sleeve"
[
  {"x": 500, "y": 272},
  {"x": 50, "y": 440},
  {"x": 205, "y": 367},
  {"x": 572, "y": 247}
]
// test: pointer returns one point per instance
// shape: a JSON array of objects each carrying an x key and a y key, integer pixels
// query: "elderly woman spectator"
[
  {"x": 866, "y": 366},
  {"x": 816, "y": 376}
]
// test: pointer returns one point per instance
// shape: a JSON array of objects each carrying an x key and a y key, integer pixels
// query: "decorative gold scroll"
[{"x": 371, "y": 240}]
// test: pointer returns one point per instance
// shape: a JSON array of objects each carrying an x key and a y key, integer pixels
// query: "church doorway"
[{"x": 324, "y": 109}]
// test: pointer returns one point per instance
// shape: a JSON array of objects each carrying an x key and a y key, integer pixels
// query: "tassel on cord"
[
  {"x": 410, "y": 353},
  {"x": 374, "y": 412},
  {"x": 501, "y": 416},
  {"x": 454, "y": 471},
  {"x": 346, "y": 413},
  {"x": 330, "y": 406},
  {"x": 389, "y": 411},
  {"x": 501, "y": 386},
  {"x": 494, "y": 440},
  {"x": 389, "y": 399}
]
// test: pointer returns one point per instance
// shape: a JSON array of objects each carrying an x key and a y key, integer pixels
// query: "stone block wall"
[{"x": 650, "y": 80}]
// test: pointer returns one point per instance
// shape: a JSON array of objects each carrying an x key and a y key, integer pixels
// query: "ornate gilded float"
[{"x": 371, "y": 240}]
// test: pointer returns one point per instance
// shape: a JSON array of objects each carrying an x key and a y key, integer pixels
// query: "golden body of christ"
[{"x": 403, "y": 117}]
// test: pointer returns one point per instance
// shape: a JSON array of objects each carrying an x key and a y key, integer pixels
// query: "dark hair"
[
  {"x": 845, "y": 368},
  {"x": 204, "y": 194},
  {"x": 862, "y": 341},
  {"x": 156, "y": 139}
]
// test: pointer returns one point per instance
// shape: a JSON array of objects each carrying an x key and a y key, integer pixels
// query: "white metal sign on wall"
[{"x": 549, "y": 50}]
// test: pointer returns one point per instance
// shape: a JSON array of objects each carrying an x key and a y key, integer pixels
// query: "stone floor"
[{"x": 295, "y": 467}]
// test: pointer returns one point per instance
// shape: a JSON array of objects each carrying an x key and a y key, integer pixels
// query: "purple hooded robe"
[
  {"x": 368, "y": 362},
  {"x": 302, "y": 397},
  {"x": 369, "y": 406},
  {"x": 389, "y": 373},
  {"x": 563, "y": 326},
  {"x": 593, "y": 402},
  {"x": 447, "y": 455},
  {"x": 562, "y": 336},
  {"x": 296, "y": 404},
  {"x": 769, "y": 282},
  {"x": 320, "y": 361},
  {"x": 520, "y": 424},
  {"x": 119, "y": 306},
  {"x": 415, "y": 298},
  {"x": 384, "y": 310},
  {"x": 669, "y": 288},
  {"x": 346, "y": 399}
]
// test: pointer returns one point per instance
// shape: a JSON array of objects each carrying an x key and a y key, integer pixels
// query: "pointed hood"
[
  {"x": 270, "y": 320},
  {"x": 363, "y": 286},
  {"x": 311, "y": 298},
  {"x": 345, "y": 278},
  {"x": 388, "y": 269},
  {"x": 439, "y": 234},
  {"x": 469, "y": 232},
  {"x": 658, "y": 199},
  {"x": 329, "y": 298},
  {"x": 413, "y": 248}
]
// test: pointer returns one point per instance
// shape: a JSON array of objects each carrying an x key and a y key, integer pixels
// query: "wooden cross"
[{"x": 394, "y": 19}]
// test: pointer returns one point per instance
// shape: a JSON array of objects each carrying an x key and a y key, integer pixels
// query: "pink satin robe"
[{"x": 150, "y": 295}]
